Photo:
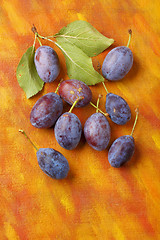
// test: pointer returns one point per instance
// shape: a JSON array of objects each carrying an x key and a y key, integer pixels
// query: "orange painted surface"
[{"x": 96, "y": 201}]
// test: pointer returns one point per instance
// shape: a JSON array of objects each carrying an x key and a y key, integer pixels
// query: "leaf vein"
[{"x": 88, "y": 72}]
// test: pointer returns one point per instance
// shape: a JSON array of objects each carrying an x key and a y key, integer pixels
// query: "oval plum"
[{"x": 71, "y": 89}]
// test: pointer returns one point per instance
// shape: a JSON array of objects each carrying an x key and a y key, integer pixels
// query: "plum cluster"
[{"x": 48, "y": 112}]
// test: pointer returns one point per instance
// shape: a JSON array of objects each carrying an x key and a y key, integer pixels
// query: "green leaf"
[
  {"x": 27, "y": 75},
  {"x": 85, "y": 36},
  {"x": 79, "y": 65}
]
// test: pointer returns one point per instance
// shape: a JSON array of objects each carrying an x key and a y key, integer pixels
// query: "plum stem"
[
  {"x": 59, "y": 85},
  {"x": 39, "y": 41},
  {"x": 34, "y": 30},
  {"x": 135, "y": 121},
  {"x": 22, "y": 131},
  {"x": 99, "y": 68},
  {"x": 105, "y": 114},
  {"x": 75, "y": 102},
  {"x": 105, "y": 87},
  {"x": 98, "y": 102},
  {"x": 130, "y": 35},
  {"x": 34, "y": 41}
]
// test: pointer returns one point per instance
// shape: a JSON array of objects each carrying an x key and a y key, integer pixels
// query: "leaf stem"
[
  {"x": 35, "y": 37},
  {"x": 22, "y": 131},
  {"x": 46, "y": 38},
  {"x": 39, "y": 41},
  {"x": 135, "y": 121},
  {"x": 75, "y": 102},
  {"x": 130, "y": 35},
  {"x": 105, "y": 87},
  {"x": 105, "y": 114},
  {"x": 34, "y": 30}
]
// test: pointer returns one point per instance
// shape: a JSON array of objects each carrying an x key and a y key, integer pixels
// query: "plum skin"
[
  {"x": 118, "y": 109},
  {"x": 52, "y": 163},
  {"x": 117, "y": 63},
  {"x": 47, "y": 63},
  {"x": 68, "y": 130},
  {"x": 97, "y": 131},
  {"x": 71, "y": 89},
  {"x": 121, "y": 151},
  {"x": 46, "y": 110}
]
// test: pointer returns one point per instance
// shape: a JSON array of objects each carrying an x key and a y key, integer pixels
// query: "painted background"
[{"x": 96, "y": 201}]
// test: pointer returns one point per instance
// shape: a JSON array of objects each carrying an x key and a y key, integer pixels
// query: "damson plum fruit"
[
  {"x": 71, "y": 89},
  {"x": 118, "y": 109},
  {"x": 122, "y": 149},
  {"x": 68, "y": 130},
  {"x": 52, "y": 163},
  {"x": 97, "y": 131},
  {"x": 117, "y": 63},
  {"x": 47, "y": 63},
  {"x": 46, "y": 110}
]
